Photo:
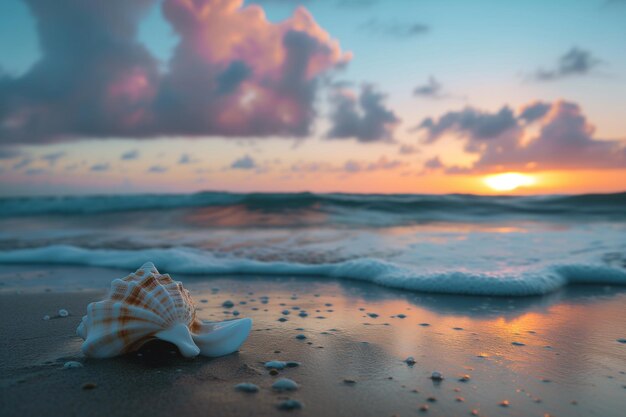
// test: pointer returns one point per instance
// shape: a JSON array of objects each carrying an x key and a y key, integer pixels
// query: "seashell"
[{"x": 147, "y": 305}]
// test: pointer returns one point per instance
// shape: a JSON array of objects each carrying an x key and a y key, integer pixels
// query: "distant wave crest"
[{"x": 409, "y": 206}]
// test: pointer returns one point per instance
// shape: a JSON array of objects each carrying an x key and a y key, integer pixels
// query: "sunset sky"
[{"x": 368, "y": 96}]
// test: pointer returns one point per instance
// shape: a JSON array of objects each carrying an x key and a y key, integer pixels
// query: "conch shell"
[{"x": 148, "y": 305}]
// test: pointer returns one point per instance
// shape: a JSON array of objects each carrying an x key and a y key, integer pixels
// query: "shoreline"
[{"x": 354, "y": 331}]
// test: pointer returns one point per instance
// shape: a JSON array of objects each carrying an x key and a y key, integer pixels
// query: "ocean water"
[{"x": 458, "y": 244}]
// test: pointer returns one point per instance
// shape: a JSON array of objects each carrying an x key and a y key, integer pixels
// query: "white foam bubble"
[{"x": 536, "y": 279}]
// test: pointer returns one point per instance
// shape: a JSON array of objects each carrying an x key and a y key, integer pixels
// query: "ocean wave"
[
  {"x": 411, "y": 205},
  {"x": 183, "y": 260}
]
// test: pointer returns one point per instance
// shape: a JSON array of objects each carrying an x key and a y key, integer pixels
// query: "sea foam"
[{"x": 518, "y": 281}]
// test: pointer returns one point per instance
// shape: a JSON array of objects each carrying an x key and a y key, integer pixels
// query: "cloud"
[
  {"x": 382, "y": 164},
  {"x": 232, "y": 73},
  {"x": 471, "y": 123},
  {"x": 365, "y": 118},
  {"x": 574, "y": 62},
  {"x": 307, "y": 167},
  {"x": 53, "y": 157},
  {"x": 130, "y": 155},
  {"x": 395, "y": 29},
  {"x": 245, "y": 163},
  {"x": 539, "y": 136},
  {"x": 351, "y": 166},
  {"x": 103, "y": 167},
  {"x": 432, "y": 89},
  {"x": 157, "y": 169},
  {"x": 433, "y": 163},
  {"x": 534, "y": 111},
  {"x": 24, "y": 162},
  {"x": 408, "y": 149},
  {"x": 186, "y": 159}
]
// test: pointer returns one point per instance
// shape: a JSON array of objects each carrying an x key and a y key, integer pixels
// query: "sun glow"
[{"x": 509, "y": 181}]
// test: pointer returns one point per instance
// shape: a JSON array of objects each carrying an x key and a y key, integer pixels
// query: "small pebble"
[
  {"x": 464, "y": 378},
  {"x": 436, "y": 376},
  {"x": 518, "y": 344},
  {"x": 504, "y": 403},
  {"x": 247, "y": 387},
  {"x": 290, "y": 405},
  {"x": 228, "y": 304},
  {"x": 474, "y": 412},
  {"x": 72, "y": 364},
  {"x": 235, "y": 313},
  {"x": 292, "y": 364},
  {"x": 372, "y": 315},
  {"x": 63, "y": 313},
  {"x": 410, "y": 361},
  {"x": 401, "y": 316},
  {"x": 424, "y": 407},
  {"x": 303, "y": 314},
  {"x": 275, "y": 365},
  {"x": 282, "y": 319},
  {"x": 89, "y": 385},
  {"x": 621, "y": 340},
  {"x": 273, "y": 372},
  {"x": 349, "y": 381},
  {"x": 46, "y": 317},
  {"x": 424, "y": 324},
  {"x": 285, "y": 384},
  {"x": 300, "y": 337},
  {"x": 431, "y": 399},
  {"x": 286, "y": 312},
  {"x": 460, "y": 399}
]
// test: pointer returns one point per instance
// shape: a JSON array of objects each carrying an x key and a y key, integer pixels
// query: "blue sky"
[{"x": 483, "y": 54}]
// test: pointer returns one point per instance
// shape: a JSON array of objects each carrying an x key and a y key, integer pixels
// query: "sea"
[{"x": 456, "y": 244}]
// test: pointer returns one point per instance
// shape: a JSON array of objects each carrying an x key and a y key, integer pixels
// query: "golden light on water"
[{"x": 509, "y": 181}]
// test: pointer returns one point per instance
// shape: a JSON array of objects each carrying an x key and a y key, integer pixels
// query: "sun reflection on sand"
[{"x": 563, "y": 342}]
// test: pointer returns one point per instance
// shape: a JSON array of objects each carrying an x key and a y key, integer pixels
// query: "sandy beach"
[{"x": 553, "y": 355}]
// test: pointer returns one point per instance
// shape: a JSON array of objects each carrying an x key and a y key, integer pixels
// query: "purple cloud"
[
  {"x": 245, "y": 163},
  {"x": 432, "y": 89},
  {"x": 576, "y": 61},
  {"x": 507, "y": 141},
  {"x": 364, "y": 118}
]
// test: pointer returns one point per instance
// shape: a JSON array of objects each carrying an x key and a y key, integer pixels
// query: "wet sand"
[{"x": 558, "y": 355}]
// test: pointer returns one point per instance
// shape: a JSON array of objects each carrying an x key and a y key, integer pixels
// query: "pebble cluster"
[{"x": 284, "y": 315}]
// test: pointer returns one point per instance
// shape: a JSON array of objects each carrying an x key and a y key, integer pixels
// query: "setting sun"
[{"x": 509, "y": 181}]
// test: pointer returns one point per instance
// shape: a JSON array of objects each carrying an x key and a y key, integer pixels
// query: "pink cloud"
[{"x": 233, "y": 72}]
